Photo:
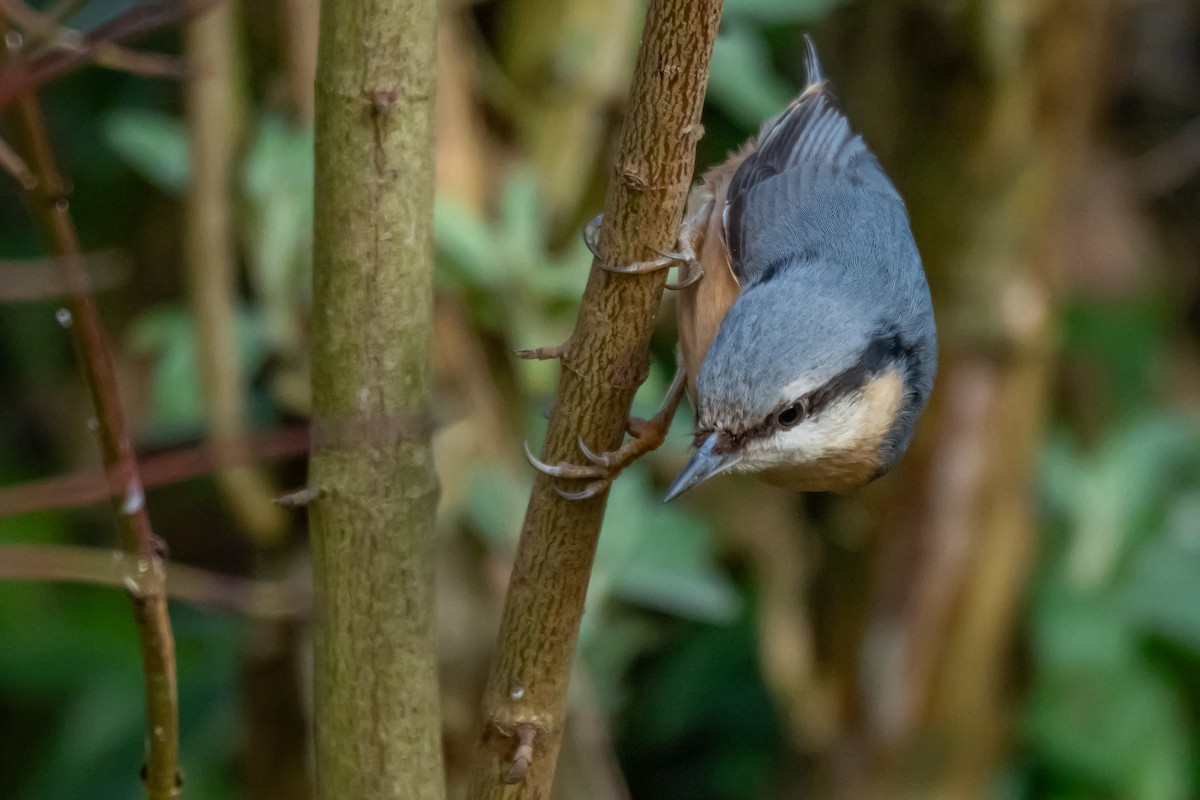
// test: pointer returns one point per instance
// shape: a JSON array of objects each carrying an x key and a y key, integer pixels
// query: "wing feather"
[{"x": 810, "y": 140}]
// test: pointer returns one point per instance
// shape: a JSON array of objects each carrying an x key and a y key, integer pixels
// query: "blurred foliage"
[{"x": 1111, "y": 639}]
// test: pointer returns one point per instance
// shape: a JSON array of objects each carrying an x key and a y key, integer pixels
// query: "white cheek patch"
[{"x": 853, "y": 427}]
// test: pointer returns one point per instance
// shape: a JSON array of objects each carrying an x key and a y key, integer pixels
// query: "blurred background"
[{"x": 1014, "y": 612}]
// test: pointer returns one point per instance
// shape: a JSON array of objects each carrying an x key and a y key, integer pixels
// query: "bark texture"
[
  {"x": 604, "y": 362},
  {"x": 378, "y": 731}
]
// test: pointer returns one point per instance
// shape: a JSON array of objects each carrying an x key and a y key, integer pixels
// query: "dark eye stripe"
[{"x": 883, "y": 350}]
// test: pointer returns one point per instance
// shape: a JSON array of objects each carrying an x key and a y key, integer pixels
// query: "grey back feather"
[{"x": 807, "y": 144}]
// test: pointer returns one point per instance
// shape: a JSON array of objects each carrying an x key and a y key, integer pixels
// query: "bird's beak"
[{"x": 703, "y": 465}]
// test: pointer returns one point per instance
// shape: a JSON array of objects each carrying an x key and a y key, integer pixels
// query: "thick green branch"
[
  {"x": 607, "y": 357},
  {"x": 378, "y": 730}
]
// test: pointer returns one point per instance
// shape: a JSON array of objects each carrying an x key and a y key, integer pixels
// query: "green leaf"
[
  {"x": 155, "y": 145},
  {"x": 522, "y": 224},
  {"x": 167, "y": 336},
  {"x": 467, "y": 245},
  {"x": 743, "y": 84},
  {"x": 659, "y": 557},
  {"x": 1109, "y": 499},
  {"x": 1162, "y": 593},
  {"x": 1099, "y": 710},
  {"x": 277, "y": 183},
  {"x": 495, "y": 505}
]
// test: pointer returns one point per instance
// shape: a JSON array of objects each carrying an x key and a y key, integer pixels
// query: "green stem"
[{"x": 378, "y": 731}]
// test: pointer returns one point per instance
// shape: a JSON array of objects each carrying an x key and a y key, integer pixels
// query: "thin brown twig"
[
  {"x": 36, "y": 279},
  {"x": 92, "y": 485},
  {"x": 62, "y": 10},
  {"x": 19, "y": 77},
  {"x": 49, "y": 206},
  {"x": 287, "y": 599},
  {"x": 43, "y": 32},
  {"x": 136, "y": 62},
  {"x": 14, "y": 165}
]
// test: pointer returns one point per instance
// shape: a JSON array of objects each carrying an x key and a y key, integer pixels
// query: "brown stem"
[
  {"x": 610, "y": 343},
  {"x": 12, "y": 163},
  {"x": 49, "y": 205},
  {"x": 255, "y": 598},
  {"x": 214, "y": 122},
  {"x": 300, "y": 22},
  {"x": 953, "y": 530}
]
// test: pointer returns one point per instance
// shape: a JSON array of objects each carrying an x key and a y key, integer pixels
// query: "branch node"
[
  {"x": 543, "y": 353},
  {"x": 145, "y": 771},
  {"x": 634, "y": 179},
  {"x": 523, "y": 755}
]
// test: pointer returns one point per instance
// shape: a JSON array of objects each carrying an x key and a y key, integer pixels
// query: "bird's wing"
[{"x": 808, "y": 146}]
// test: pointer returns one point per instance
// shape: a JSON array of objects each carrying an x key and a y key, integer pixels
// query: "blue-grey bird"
[{"x": 808, "y": 342}]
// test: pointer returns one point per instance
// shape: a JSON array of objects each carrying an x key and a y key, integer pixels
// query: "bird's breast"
[{"x": 703, "y": 305}]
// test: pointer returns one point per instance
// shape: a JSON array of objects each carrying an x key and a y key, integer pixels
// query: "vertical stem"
[
  {"x": 955, "y": 526},
  {"x": 378, "y": 731},
  {"x": 300, "y": 20},
  {"x": 604, "y": 363},
  {"x": 48, "y": 203},
  {"x": 214, "y": 120}
]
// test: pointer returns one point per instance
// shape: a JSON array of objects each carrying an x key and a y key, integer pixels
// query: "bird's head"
[{"x": 814, "y": 402}]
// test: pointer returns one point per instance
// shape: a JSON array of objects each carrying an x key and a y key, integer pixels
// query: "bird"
[
  {"x": 809, "y": 344},
  {"x": 807, "y": 339}
]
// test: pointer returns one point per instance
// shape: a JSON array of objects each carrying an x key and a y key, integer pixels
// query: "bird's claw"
[
  {"x": 591, "y": 490},
  {"x": 684, "y": 257},
  {"x": 646, "y": 435},
  {"x": 565, "y": 470},
  {"x": 604, "y": 467},
  {"x": 591, "y": 232},
  {"x": 599, "y": 459},
  {"x": 599, "y": 476}
]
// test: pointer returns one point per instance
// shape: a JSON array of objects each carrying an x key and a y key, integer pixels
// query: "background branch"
[
  {"x": 19, "y": 76},
  {"x": 49, "y": 206},
  {"x": 605, "y": 361},
  {"x": 284, "y": 599},
  {"x": 214, "y": 125}
]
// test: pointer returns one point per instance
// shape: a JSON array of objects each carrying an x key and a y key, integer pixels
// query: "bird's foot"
[
  {"x": 684, "y": 256},
  {"x": 646, "y": 435}
]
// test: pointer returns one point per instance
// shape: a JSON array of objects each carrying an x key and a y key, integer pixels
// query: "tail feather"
[{"x": 812, "y": 64}]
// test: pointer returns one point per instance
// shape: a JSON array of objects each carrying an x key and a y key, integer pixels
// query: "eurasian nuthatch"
[
  {"x": 806, "y": 329},
  {"x": 809, "y": 342}
]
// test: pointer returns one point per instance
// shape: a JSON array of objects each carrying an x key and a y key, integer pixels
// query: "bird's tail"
[{"x": 812, "y": 64}]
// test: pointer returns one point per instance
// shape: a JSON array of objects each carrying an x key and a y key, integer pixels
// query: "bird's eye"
[{"x": 790, "y": 416}]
